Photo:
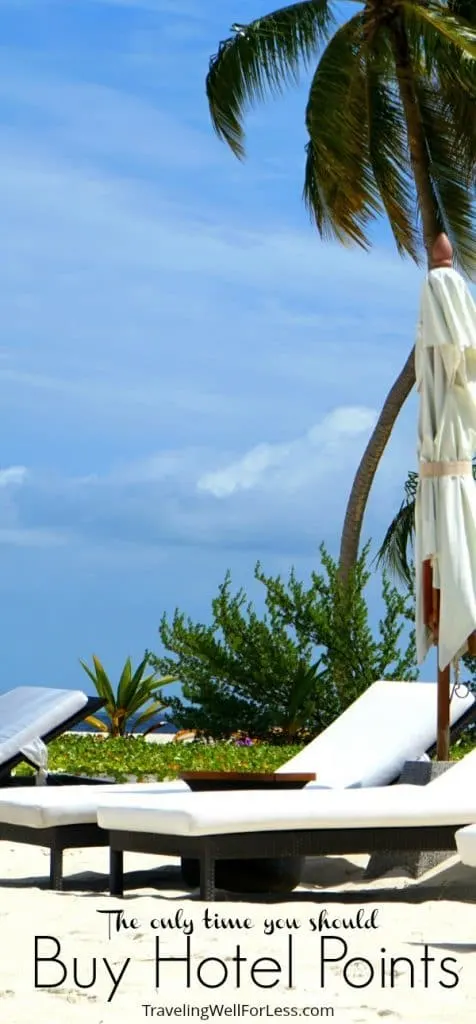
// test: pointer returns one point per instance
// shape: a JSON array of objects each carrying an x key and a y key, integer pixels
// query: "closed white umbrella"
[{"x": 445, "y": 512}]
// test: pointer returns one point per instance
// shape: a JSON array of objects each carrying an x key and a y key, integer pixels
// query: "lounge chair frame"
[
  {"x": 62, "y": 837},
  {"x": 209, "y": 849},
  {"x": 90, "y": 708},
  {"x": 57, "y": 840}
]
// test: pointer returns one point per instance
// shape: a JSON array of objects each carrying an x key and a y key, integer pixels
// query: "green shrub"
[
  {"x": 296, "y": 667},
  {"x": 120, "y": 758}
]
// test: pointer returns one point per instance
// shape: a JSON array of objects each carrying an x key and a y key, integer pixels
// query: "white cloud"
[
  {"x": 246, "y": 472},
  {"x": 293, "y": 465},
  {"x": 341, "y": 423},
  {"x": 12, "y": 475},
  {"x": 284, "y": 497}
]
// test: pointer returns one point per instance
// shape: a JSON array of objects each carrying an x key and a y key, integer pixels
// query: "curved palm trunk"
[
  {"x": 368, "y": 466},
  {"x": 400, "y": 390}
]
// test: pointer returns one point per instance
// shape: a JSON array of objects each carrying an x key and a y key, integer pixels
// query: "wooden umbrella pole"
[
  {"x": 442, "y": 256},
  {"x": 443, "y": 716}
]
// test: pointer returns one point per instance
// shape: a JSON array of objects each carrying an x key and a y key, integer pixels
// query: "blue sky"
[{"x": 188, "y": 375}]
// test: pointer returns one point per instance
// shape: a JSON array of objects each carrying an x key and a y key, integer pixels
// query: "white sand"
[{"x": 439, "y": 911}]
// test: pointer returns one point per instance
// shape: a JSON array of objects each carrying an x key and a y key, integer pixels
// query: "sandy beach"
[{"x": 333, "y": 944}]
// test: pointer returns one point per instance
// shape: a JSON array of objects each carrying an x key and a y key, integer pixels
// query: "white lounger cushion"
[
  {"x": 392, "y": 722},
  {"x": 196, "y": 814},
  {"x": 466, "y": 843},
  {"x": 49, "y": 806},
  {"x": 29, "y": 712}
]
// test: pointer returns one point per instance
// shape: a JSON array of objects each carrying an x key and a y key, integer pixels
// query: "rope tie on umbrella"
[
  {"x": 463, "y": 467},
  {"x": 459, "y": 688}
]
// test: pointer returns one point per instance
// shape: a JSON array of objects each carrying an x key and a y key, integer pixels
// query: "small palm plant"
[
  {"x": 134, "y": 691},
  {"x": 302, "y": 700}
]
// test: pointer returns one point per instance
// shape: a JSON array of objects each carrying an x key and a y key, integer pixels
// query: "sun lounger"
[
  {"x": 390, "y": 723},
  {"x": 213, "y": 827},
  {"x": 368, "y": 744},
  {"x": 466, "y": 844},
  {"x": 32, "y": 716},
  {"x": 61, "y": 817}
]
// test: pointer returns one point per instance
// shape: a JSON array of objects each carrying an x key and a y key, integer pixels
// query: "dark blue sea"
[{"x": 168, "y": 727}]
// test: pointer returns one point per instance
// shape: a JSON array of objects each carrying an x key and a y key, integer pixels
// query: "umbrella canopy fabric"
[{"x": 445, "y": 511}]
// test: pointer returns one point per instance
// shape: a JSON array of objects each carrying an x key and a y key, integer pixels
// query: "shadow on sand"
[{"x": 325, "y": 880}]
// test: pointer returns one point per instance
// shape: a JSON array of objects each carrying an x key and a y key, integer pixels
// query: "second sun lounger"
[
  {"x": 30, "y": 717},
  {"x": 213, "y": 827}
]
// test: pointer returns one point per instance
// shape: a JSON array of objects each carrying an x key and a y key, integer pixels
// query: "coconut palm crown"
[{"x": 391, "y": 112}]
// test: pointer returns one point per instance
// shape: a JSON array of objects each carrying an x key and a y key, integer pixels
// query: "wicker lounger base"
[
  {"x": 210, "y": 849},
  {"x": 57, "y": 840},
  {"x": 61, "y": 837}
]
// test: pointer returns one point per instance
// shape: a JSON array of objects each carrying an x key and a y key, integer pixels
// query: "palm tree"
[
  {"x": 391, "y": 119},
  {"x": 396, "y": 548}
]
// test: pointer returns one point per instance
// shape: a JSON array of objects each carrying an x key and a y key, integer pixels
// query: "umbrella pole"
[{"x": 443, "y": 718}]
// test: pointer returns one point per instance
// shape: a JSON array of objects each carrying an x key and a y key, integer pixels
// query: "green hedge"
[{"x": 124, "y": 757}]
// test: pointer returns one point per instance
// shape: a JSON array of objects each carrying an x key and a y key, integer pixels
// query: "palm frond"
[
  {"x": 389, "y": 156},
  {"x": 465, "y": 9},
  {"x": 100, "y": 679},
  {"x": 394, "y": 552},
  {"x": 339, "y": 187},
  {"x": 97, "y": 723},
  {"x": 450, "y": 175},
  {"x": 459, "y": 107},
  {"x": 435, "y": 21},
  {"x": 457, "y": 86},
  {"x": 261, "y": 58},
  {"x": 149, "y": 713},
  {"x": 446, "y": 60},
  {"x": 124, "y": 683},
  {"x": 130, "y": 681}
]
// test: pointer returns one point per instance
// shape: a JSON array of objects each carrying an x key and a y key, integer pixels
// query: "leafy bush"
[
  {"x": 464, "y": 744},
  {"x": 295, "y": 668},
  {"x": 120, "y": 758},
  {"x": 134, "y": 691}
]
